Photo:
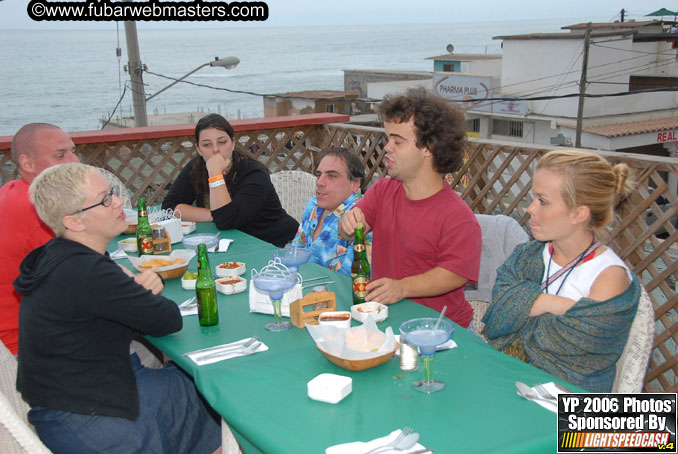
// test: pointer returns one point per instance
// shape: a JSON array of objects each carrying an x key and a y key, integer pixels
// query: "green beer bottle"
[
  {"x": 206, "y": 290},
  {"x": 360, "y": 268},
  {"x": 144, "y": 231}
]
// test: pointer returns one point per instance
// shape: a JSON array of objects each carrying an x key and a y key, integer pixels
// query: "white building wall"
[
  {"x": 552, "y": 67},
  {"x": 486, "y": 67}
]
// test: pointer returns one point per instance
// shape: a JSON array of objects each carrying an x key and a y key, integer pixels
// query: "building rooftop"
[
  {"x": 466, "y": 57},
  {"x": 319, "y": 94},
  {"x": 570, "y": 35},
  {"x": 634, "y": 127},
  {"x": 613, "y": 25}
]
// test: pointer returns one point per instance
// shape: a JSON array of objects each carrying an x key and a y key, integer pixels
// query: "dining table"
[{"x": 263, "y": 396}]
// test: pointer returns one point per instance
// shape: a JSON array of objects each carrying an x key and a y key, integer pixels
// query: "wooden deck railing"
[{"x": 494, "y": 180}]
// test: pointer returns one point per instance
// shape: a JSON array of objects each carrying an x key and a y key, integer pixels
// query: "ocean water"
[{"x": 74, "y": 79}]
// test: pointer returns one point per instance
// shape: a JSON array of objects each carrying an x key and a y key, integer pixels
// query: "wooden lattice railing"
[
  {"x": 147, "y": 160},
  {"x": 495, "y": 180}
]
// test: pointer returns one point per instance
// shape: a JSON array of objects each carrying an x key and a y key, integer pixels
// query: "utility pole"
[
  {"x": 623, "y": 13},
  {"x": 582, "y": 85},
  {"x": 135, "y": 74}
]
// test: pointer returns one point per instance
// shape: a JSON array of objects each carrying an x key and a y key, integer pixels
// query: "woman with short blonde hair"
[
  {"x": 565, "y": 302},
  {"x": 78, "y": 313}
]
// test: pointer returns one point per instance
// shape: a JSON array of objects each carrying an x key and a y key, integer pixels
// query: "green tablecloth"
[{"x": 263, "y": 396}]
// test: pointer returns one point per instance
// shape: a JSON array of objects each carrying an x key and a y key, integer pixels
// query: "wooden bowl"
[
  {"x": 131, "y": 229},
  {"x": 173, "y": 273},
  {"x": 359, "y": 364}
]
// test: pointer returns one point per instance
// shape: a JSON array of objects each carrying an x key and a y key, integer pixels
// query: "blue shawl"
[{"x": 581, "y": 346}]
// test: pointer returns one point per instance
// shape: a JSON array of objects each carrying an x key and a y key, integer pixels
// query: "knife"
[{"x": 220, "y": 348}]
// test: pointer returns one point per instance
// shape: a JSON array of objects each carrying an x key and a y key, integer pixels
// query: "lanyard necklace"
[{"x": 585, "y": 256}]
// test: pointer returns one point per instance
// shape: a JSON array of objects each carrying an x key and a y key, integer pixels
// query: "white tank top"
[{"x": 578, "y": 283}]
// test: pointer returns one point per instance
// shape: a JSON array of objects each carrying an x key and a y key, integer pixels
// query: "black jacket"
[
  {"x": 255, "y": 207},
  {"x": 77, "y": 317}
]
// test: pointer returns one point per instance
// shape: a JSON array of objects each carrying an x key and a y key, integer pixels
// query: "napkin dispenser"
[
  {"x": 307, "y": 309},
  {"x": 261, "y": 302}
]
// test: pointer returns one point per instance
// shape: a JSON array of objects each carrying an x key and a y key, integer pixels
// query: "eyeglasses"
[{"x": 106, "y": 201}]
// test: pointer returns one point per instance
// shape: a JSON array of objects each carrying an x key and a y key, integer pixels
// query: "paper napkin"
[
  {"x": 118, "y": 254},
  {"x": 359, "y": 447},
  {"x": 551, "y": 405},
  {"x": 224, "y": 243},
  {"x": 227, "y": 351}
]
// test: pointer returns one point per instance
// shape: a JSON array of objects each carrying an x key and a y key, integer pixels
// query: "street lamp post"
[{"x": 227, "y": 63}]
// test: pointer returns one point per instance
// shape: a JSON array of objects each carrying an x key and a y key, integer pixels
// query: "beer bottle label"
[
  {"x": 147, "y": 245},
  {"x": 359, "y": 284},
  {"x": 143, "y": 213},
  {"x": 358, "y": 247}
]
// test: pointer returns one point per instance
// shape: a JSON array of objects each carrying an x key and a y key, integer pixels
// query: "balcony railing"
[{"x": 495, "y": 179}]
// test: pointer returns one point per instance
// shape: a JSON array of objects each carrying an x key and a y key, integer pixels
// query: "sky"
[{"x": 282, "y": 13}]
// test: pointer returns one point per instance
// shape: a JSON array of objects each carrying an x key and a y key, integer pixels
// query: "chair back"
[
  {"x": 479, "y": 309},
  {"x": 125, "y": 194},
  {"x": 501, "y": 234},
  {"x": 16, "y": 435},
  {"x": 632, "y": 364},
  {"x": 295, "y": 188}
]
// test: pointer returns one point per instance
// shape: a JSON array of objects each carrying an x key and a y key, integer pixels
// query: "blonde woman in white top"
[{"x": 565, "y": 302}]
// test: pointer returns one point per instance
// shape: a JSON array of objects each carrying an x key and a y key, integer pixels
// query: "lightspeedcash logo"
[{"x": 151, "y": 10}]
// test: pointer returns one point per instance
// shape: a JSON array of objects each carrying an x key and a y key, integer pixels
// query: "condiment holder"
[{"x": 307, "y": 309}]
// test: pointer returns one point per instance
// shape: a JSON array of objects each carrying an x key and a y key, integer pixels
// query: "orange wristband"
[{"x": 215, "y": 178}]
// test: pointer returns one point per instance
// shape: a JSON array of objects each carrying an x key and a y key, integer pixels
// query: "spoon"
[
  {"x": 401, "y": 444},
  {"x": 527, "y": 393}
]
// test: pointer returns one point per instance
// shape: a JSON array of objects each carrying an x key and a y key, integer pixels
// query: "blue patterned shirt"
[{"x": 328, "y": 249}]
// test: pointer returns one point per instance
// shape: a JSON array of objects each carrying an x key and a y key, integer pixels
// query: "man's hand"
[
  {"x": 385, "y": 290},
  {"x": 149, "y": 280},
  {"x": 349, "y": 221}
]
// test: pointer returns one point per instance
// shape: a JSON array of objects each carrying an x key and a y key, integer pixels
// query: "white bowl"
[
  {"x": 128, "y": 244},
  {"x": 340, "y": 319},
  {"x": 238, "y": 285},
  {"x": 187, "y": 227},
  {"x": 238, "y": 270},
  {"x": 192, "y": 241},
  {"x": 377, "y": 311},
  {"x": 188, "y": 284}
]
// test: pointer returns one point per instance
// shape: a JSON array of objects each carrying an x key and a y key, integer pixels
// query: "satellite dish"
[{"x": 450, "y": 48}]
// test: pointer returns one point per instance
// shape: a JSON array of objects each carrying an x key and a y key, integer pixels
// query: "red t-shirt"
[
  {"x": 21, "y": 231},
  {"x": 414, "y": 236}
]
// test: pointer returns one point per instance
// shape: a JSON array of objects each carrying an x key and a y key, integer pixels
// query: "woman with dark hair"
[{"x": 224, "y": 186}]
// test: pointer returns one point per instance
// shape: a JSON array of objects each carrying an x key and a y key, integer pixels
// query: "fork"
[
  {"x": 242, "y": 350},
  {"x": 543, "y": 392},
  {"x": 403, "y": 433}
]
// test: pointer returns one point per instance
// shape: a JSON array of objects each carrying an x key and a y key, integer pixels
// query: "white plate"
[
  {"x": 229, "y": 289},
  {"x": 377, "y": 311},
  {"x": 224, "y": 272}
]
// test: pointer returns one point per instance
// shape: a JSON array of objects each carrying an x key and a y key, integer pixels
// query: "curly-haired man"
[{"x": 426, "y": 240}]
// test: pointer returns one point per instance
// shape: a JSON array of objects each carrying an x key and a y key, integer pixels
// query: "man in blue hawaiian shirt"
[{"x": 340, "y": 178}]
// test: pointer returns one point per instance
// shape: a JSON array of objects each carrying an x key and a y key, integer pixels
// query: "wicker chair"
[
  {"x": 501, "y": 234},
  {"x": 632, "y": 364},
  {"x": 16, "y": 435},
  {"x": 295, "y": 188}
]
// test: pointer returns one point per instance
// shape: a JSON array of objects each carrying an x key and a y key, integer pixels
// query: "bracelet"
[
  {"x": 217, "y": 183},
  {"x": 215, "y": 178}
]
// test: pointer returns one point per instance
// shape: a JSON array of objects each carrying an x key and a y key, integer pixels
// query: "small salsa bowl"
[
  {"x": 231, "y": 284},
  {"x": 231, "y": 269},
  {"x": 378, "y": 311},
  {"x": 128, "y": 244},
  {"x": 188, "y": 284},
  {"x": 340, "y": 319}
]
